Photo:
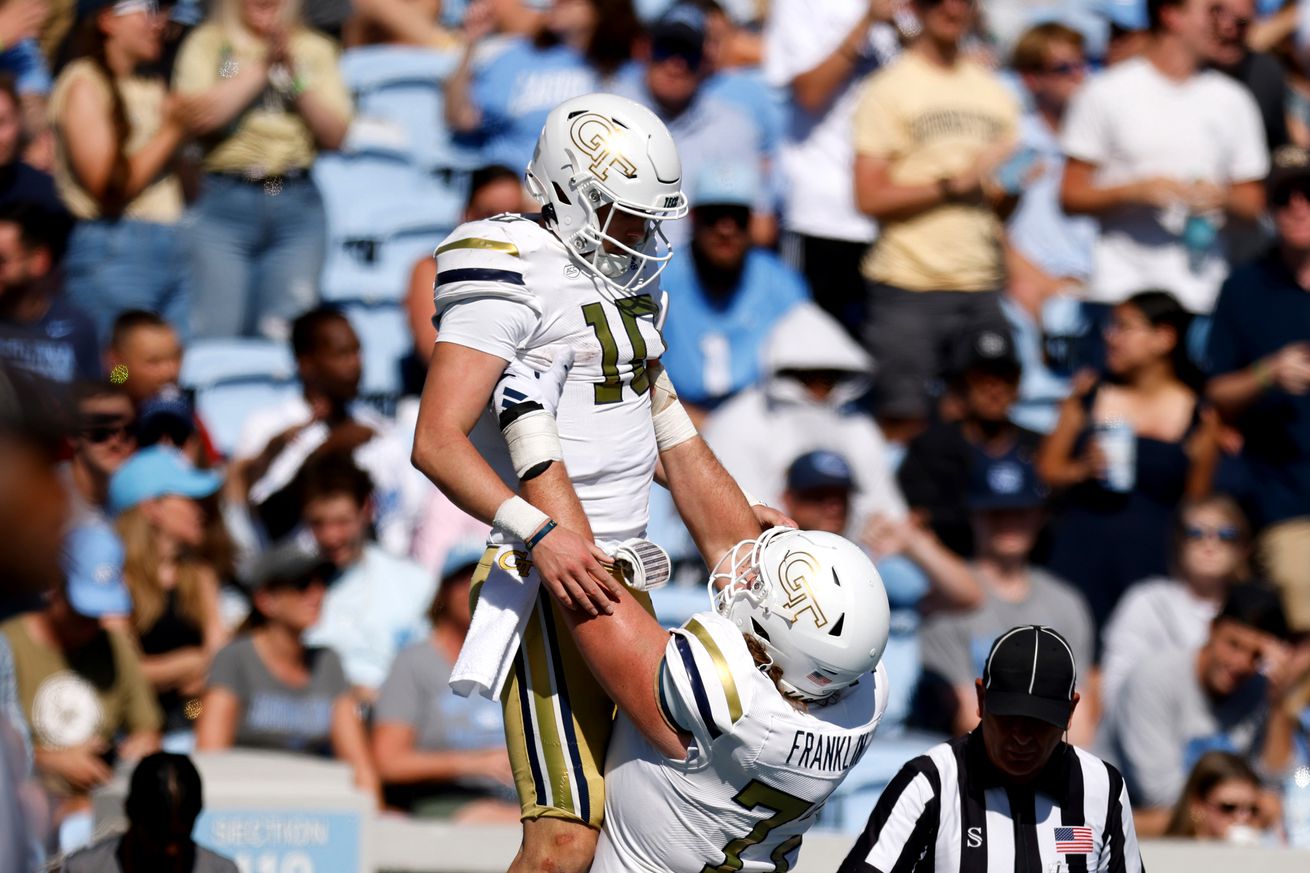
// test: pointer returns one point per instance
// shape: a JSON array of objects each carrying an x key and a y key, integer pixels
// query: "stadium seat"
[
  {"x": 847, "y": 809},
  {"x": 377, "y": 269},
  {"x": 401, "y": 87},
  {"x": 230, "y": 378}
]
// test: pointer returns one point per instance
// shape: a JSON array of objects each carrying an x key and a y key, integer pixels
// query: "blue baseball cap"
[
  {"x": 93, "y": 571},
  {"x": 1007, "y": 482},
  {"x": 463, "y": 554},
  {"x": 155, "y": 472},
  {"x": 821, "y": 469},
  {"x": 726, "y": 184},
  {"x": 167, "y": 411}
]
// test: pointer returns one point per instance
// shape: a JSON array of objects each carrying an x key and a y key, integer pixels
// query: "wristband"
[
  {"x": 533, "y": 442},
  {"x": 518, "y": 518},
  {"x": 672, "y": 424},
  {"x": 540, "y": 535}
]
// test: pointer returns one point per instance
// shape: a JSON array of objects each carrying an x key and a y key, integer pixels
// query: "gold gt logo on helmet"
[
  {"x": 598, "y": 138},
  {"x": 794, "y": 574}
]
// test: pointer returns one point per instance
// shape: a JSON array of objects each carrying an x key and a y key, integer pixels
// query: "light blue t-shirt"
[
  {"x": 714, "y": 347},
  {"x": 27, "y": 65},
  {"x": 515, "y": 91},
  {"x": 1061, "y": 245}
]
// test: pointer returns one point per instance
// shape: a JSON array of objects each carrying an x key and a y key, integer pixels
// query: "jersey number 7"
[{"x": 786, "y": 809}]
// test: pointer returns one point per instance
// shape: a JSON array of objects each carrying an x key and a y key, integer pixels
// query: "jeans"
[
  {"x": 256, "y": 250},
  {"x": 113, "y": 266}
]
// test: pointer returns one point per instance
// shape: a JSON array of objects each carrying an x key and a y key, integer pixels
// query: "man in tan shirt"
[{"x": 930, "y": 131}]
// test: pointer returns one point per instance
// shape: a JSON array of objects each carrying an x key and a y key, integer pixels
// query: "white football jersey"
[
  {"x": 507, "y": 286},
  {"x": 755, "y": 776}
]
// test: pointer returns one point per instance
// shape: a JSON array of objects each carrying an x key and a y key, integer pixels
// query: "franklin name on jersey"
[
  {"x": 509, "y": 287},
  {"x": 756, "y": 773}
]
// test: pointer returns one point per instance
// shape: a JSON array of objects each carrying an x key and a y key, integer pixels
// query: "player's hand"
[
  {"x": 573, "y": 570},
  {"x": 769, "y": 517},
  {"x": 1289, "y": 367}
]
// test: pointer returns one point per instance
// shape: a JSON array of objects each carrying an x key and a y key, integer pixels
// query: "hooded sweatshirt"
[{"x": 758, "y": 433}]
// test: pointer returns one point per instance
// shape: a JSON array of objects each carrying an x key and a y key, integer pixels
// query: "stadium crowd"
[{"x": 1015, "y": 294}]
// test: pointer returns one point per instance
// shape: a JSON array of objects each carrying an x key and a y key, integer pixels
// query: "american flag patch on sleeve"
[{"x": 1073, "y": 840}]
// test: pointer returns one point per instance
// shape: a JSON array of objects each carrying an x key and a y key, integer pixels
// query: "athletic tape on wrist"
[
  {"x": 644, "y": 565},
  {"x": 672, "y": 424},
  {"x": 533, "y": 442},
  {"x": 519, "y": 519}
]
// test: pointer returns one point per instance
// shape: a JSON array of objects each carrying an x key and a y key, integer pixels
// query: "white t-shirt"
[
  {"x": 1134, "y": 123},
  {"x": 818, "y": 155},
  {"x": 399, "y": 491},
  {"x": 1153, "y": 616}
]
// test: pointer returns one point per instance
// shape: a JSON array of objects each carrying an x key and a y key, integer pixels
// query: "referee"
[{"x": 1011, "y": 795}]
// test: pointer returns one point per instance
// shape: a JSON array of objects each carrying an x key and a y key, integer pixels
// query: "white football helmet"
[
  {"x": 813, "y": 600},
  {"x": 604, "y": 149}
]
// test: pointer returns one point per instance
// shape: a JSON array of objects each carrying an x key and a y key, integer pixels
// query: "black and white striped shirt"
[{"x": 951, "y": 811}]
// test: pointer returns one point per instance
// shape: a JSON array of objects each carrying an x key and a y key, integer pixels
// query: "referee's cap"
[{"x": 1030, "y": 671}]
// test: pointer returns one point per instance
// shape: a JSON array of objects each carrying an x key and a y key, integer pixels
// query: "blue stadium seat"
[
  {"x": 383, "y": 331},
  {"x": 231, "y": 378},
  {"x": 402, "y": 87},
  {"x": 848, "y": 808},
  {"x": 377, "y": 269}
]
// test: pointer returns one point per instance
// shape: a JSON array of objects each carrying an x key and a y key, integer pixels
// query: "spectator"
[
  {"x": 492, "y": 190},
  {"x": 930, "y": 131},
  {"x": 33, "y": 513},
  {"x": 1211, "y": 545},
  {"x": 269, "y": 97},
  {"x": 440, "y": 755},
  {"x": 1117, "y": 503},
  {"x": 149, "y": 348},
  {"x": 1129, "y": 29},
  {"x": 725, "y": 295},
  {"x": 1163, "y": 152},
  {"x": 81, "y": 687},
  {"x": 105, "y": 437},
  {"x": 175, "y": 606},
  {"x": 267, "y": 690},
  {"x": 501, "y": 97},
  {"x": 819, "y": 53},
  {"x": 1260, "y": 73},
  {"x": 814, "y": 373},
  {"x": 117, "y": 134},
  {"x": 706, "y": 130},
  {"x": 388, "y": 22},
  {"x": 39, "y": 329},
  {"x": 376, "y": 602},
  {"x": 1006, "y": 506},
  {"x": 164, "y": 800},
  {"x": 277, "y": 441},
  {"x": 1047, "y": 253},
  {"x": 166, "y": 418},
  {"x": 818, "y": 497},
  {"x": 1221, "y": 801},
  {"x": 734, "y": 51},
  {"x": 1228, "y": 695},
  {"x": 935, "y": 472},
  {"x": 1259, "y": 356},
  {"x": 20, "y": 182}
]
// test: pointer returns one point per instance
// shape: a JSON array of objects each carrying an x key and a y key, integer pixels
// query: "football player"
[{"x": 577, "y": 282}]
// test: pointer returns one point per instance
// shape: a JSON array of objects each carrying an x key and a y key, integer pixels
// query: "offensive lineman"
[{"x": 580, "y": 279}]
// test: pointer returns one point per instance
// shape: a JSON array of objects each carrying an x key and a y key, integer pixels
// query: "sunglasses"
[
  {"x": 661, "y": 52},
  {"x": 103, "y": 433},
  {"x": 709, "y": 216},
  {"x": 1226, "y": 534},
  {"x": 1249, "y": 809},
  {"x": 1067, "y": 68}
]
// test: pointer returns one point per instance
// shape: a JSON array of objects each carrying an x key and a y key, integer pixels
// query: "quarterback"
[{"x": 578, "y": 283}]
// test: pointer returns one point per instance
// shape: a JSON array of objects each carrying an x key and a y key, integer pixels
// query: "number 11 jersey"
[{"x": 508, "y": 287}]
